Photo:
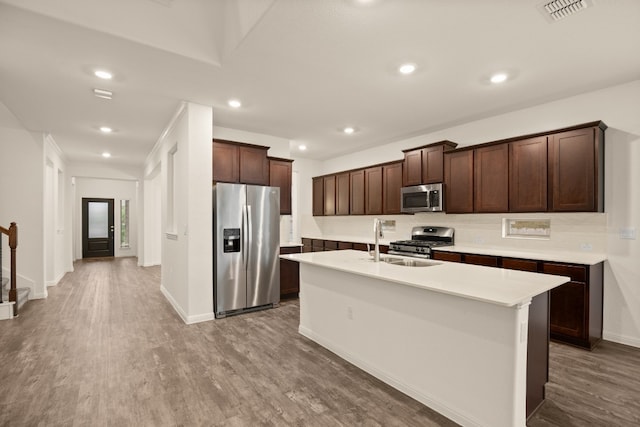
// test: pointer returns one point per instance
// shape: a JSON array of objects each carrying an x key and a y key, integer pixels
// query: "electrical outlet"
[
  {"x": 349, "y": 313},
  {"x": 628, "y": 233},
  {"x": 586, "y": 246}
]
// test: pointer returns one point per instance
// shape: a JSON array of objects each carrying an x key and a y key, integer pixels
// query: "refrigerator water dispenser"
[{"x": 231, "y": 240}]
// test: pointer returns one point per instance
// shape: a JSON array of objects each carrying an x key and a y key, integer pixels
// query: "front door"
[{"x": 97, "y": 228}]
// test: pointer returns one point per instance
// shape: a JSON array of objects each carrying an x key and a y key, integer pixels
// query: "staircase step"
[{"x": 22, "y": 296}]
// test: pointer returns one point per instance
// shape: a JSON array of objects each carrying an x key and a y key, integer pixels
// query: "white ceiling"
[{"x": 303, "y": 69}]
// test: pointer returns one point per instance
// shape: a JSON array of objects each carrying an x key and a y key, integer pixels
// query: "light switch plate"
[{"x": 628, "y": 233}]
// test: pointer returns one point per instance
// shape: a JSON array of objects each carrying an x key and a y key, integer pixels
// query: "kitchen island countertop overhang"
[{"x": 487, "y": 284}]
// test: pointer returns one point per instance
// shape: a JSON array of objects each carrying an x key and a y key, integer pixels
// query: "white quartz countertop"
[
  {"x": 488, "y": 284},
  {"x": 585, "y": 258},
  {"x": 290, "y": 245}
]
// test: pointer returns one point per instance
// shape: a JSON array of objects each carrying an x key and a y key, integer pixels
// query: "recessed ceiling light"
[
  {"x": 407, "y": 69},
  {"x": 105, "y": 129},
  {"x": 302, "y": 147},
  {"x": 349, "y": 130},
  {"x": 103, "y": 74},
  {"x": 106, "y": 155},
  {"x": 234, "y": 103},
  {"x": 499, "y": 78}
]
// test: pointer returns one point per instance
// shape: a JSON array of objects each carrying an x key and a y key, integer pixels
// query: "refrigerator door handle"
[
  {"x": 249, "y": 233},
  {"x": 245, "y": 242}
]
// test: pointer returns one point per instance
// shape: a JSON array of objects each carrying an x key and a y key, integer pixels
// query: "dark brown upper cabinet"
[
  {"x": 342, "y": 193},
  {"x": 425, "y": 165},
  {"x": 576, "y": 170},
  {"x": 280, "y": 176},
  {"x": 391, "y": 185},
  {"x": 528, "y": 175},
  {"x": 238, "y": 162},
  {"x": 254, "y": 165},
  {"x": 458, "y": 181},
  {"x": 373, "y": 190},
  {"x": 491, "y": 178},
  {"x": 329, "y": 183},
  {"x": 318, "y": 196},
  {"x": 225, "y": 162},
  {"x": 356, "y": 190}
]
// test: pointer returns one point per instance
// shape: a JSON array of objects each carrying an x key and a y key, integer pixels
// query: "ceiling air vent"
[{"x": 559, "y": 9}]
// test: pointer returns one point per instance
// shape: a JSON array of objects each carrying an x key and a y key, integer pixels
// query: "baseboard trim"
[
  {"x": 428, "y": 401},
  {"x": 621, "y": 339},
  {"x": 57, "y": 280},
  {"x": 189, "y": 320},
  {"x": 174, "y": 303}
]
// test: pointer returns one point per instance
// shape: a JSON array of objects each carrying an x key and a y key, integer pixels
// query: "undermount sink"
[{"x": 409, "y": 262}]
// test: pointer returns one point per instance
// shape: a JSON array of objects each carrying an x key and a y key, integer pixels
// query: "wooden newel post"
[{"x": 13, "y": 244}]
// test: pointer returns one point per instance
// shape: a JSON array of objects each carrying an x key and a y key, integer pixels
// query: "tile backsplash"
[{"x": 568, "y": 231}]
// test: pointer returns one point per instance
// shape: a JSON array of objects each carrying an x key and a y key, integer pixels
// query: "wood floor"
[{"x": 106, "y": 349}]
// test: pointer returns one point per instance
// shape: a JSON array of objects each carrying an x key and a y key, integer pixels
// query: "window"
[{"x": 124, "y": 223}]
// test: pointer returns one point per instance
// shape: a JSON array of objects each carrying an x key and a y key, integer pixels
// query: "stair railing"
[{"x": 12, "y": 233}]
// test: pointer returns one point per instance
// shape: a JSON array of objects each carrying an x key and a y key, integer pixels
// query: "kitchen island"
[{"x": 452, "y": 336}]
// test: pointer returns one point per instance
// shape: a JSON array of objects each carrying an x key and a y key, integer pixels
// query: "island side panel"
[{"x": 463, "y": 358}]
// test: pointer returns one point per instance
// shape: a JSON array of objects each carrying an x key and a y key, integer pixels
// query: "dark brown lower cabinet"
[
  {"x": 289, "y": 273},
  {"x": 447, "y": 256},
  {"x": 576, "y": 307}
]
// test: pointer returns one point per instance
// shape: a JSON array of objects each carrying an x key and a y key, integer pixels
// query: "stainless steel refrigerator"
[{"x": 246, "y": 246}]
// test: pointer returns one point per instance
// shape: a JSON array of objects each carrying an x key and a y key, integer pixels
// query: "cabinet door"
[
  {"x": 318, "y": 196},
  {"x": 572, "y": 171},
  {"x": 412, "y": 173},
  {"x": 289, "y": 273},
  {"x": 568, "y": 309},
  {"x": 491, "y": 179},
  {"x": 356, "y": 196},
  {"x": 528, "y": 175},
  {"x": 225, "y": 162},
  {"x": 458, "y": 181},
  {"x": 254, "y": 165},
  {"x": 373, "y": 190},
  {"x": 487, "y": 260},
  {"x": 433, "y": 164},
  {"x": 391, "y": 185},
  {"x": 342, "y": 194},
  {"x": 280, "y": 176},
  {"x": 330, "y": 195},
  {"x": 447, "y": 256}
]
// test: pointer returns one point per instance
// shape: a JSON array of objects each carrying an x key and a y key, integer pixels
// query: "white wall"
[
  {"x": 107, "y": 189},
  {"x": 278, "y": 147},
  {"x": 57, "y": 226},
  {"x": 150, "y": 252},
  {"x": 619, "y": 108},
  {"x": 187, "y": 255},
  {"x": 21, "y": 200}
]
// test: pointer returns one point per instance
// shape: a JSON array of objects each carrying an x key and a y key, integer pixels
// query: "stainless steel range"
[{"x": 423, "y": 238}]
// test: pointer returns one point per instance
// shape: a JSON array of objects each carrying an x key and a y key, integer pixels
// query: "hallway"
[{"x": 107, "y": 349}]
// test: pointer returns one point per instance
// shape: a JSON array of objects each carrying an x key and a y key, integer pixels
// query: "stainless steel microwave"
[{"x": 422, "y": 198}]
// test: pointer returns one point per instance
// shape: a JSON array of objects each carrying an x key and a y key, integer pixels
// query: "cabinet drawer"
[
  {"x": 331, "y": 245},
  {"x": 360, "y": 246},
  {"x": 345, "y": 245},
  {"x": 576, "y": 272},
  {"x": 519, "y": 264},
  {"x": 489, "y": 261},
  {"x": 447, "y": 256},
  {"x": 317, "y": 245},
  {"x": 290, "y": 250}
]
